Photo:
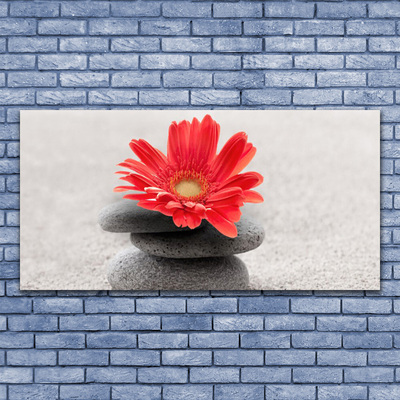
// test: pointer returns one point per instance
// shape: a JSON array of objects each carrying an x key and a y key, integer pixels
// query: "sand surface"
[{"x": 321, "y": 190}]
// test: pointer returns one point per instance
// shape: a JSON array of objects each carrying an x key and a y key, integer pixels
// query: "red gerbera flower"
[{"x": 193, "y": 182}]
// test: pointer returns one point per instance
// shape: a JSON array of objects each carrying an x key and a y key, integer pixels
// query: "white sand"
[{"x": 321, "y": 209}]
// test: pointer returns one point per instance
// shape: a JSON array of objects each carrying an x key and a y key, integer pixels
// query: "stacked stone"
[{"x": 167, "y": 257}]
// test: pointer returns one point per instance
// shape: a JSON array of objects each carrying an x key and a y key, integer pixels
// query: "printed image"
[{"x": 199, "y": 200}]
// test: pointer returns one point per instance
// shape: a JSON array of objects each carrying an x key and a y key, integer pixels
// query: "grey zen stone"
[
  {"x": 205, "y": 242},
  {"x": 126, "y": 216},
  {"x": 132, "y": 269}
]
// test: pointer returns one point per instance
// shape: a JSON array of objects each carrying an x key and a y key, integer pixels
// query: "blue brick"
[
  {"x": 31, "y": 357},
  {"x": 113, "y": 27},
  {"x": 288, "y": 10},
  {"x": 266, "y": 375},
  {"x": 36, "y": 9},
  {"x": 343, "y": 392},
  {"x": 185, "y": 79},
  {"x": 261, "y": 340},
  {"x": 97, "y": 392},
  {"x": 83, "y": 357},
  {"x": 387, "y": 44},
  {"x": 109, "y": 305},
  {"x": 186, "y": 323},
  {"x": 213, "y": 62},
  {"x": 164, "y": 61},
  {"x": 114, "y": 61},
  {"x": 262, "y": 96},
  {"x": 179, "y": 392},
  {"x": 317, "y": 375},
  {"x": 212, "y": 305},
  {"x": 83, "y": 79},
  {"x": 317, "y": 27},
  {"x": 366, "y": 306},
  {"x": 37, "y": 392},
  {"x": 13, "y": 184},
  {"x": 17, "y": 26},
  {"x": 214, "y": 340},
  {"x": 342, "y": 358},
  {"x": 319, "y": 61},
  {"x": 135, "y": 357},
  {"x": 16, "y": 375},
  {"x": 177, "y": 97},
  {"x": 290, "y": 392},
  {"x": 193, "y": 45},
  {"x": 214, "y": 97},
  {"x": 214, "y": 375},
  {"x": 367, "y": 341},
  {"x": 111, "y": 375},
  {"x": 58, "y": 97},
  {"x": 61, "y": 27},
  {"x": 345, "y": 10},
  {"x": 320, "y": 305},
  {"x": 135, "y": 322},
  {"x": 136, "y": 392},
  {"x": 384, "y": 78},
  {"x": 289, "y": 323},
  {"x": 87, "y": 45},
  {"x": 341, "y": 45},
  {"x": 368, "y": 97},
  {"x": 186, "y": 10},
  {"x": 32, "y": 322},
  {"x": 135, "y": 9},
  {"x": 289, "y": 357},
  {"x": 237, "y": 45},
  {"x": 217, "y": 27},
  {"x": 342, "y": 78},
  {"x": 162, "y": 375},
  {"x": 111, "y": 340},
  {"x": 62, "y": 61},
  {"x": 16, "y": 306},
  {"x": 263, "y": 305},
  {"x": 165, "y": 28},
  {"x": 85, "y": 9},
  {"x": 186, "y": 357},
  {"x": 11, "y": 131},
  {"x": 269, "y": 27},
  {"x": 11, "y": 254},
  {"x": 3, "y": 9},
  {"x": 9, "y": 167},
  {"x": 318, "y": 340},
  {"x": 382, "y": 392},
  {"x": 32, "y": 79},
  {"x": 163, "y": 340},
  {"x": 242, "y": 392},
  {"x": 369, "y": 61},
  {"x": 384, "y": 357},
  {"x": 135, "y": 44},
  {"x": 32, "y": 45},
  {"x": 84, "y": 323},
  {"x": 9, "y": 271},
  {"x": 14, "y": 340},
  {"x": 59, "y": 375},
  {"x": 17, "y": 61},
  {"x": 241, "y": 323},
  {"x": 2, "y": 84},
  {"x": 369, "y": 375},
  {"x": 238, "y": 357},
  {"x": 341, "y": 323},
  {"x": 384, "y": 10},
  {"x": 365, "y": 27},
  {"x": 387, "y": 323},
  {"x": 163, "y": 306},
  {"x": 289, "y": 79},
  {"x": 57, "y": 306},
  {"x": 287, "y": 45},
  {"x": 237, "y": 10}
]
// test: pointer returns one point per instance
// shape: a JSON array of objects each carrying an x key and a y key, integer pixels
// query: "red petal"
[
  {"x": 245, "y": 181},
  {"x": 252, "y": 196},
  {"x": 225, "y": 193},
  {"x": 137, "y": 167},
  {"x": 179, "y": 218},
  {"x": 227, "y": 159},
  {"x": 220, "y": 223},
  {"x": 178, "y": 141},
  {"x": 139, "y": 181},
  {"x": 231, "y": 213},
  {"x": 125, "y": 188},
  {"x": 139, "y": 196},
  {"x": 246, "y": 157},
  {"x": 193, "y": 220},
  {"x": 173, "y": 204},
  {"x": 149, "y": 155}
]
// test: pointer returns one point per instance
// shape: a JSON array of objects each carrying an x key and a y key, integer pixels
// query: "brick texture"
[{"x": 202, "y": 54}]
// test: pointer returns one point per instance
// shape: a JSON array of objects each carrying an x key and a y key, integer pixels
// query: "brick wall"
[{"x": 199, "y": 345}]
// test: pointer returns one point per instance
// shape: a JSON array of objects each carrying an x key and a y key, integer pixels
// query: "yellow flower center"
[
  {"x": 189, "y": 185},
  {"x": 188, "y": 188}
]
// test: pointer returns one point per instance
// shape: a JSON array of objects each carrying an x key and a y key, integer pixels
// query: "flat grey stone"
[
  {"x": 127, "y": 216},
  {"x": 206, "y": 242},
  {"x": 132, "y": 269}
]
